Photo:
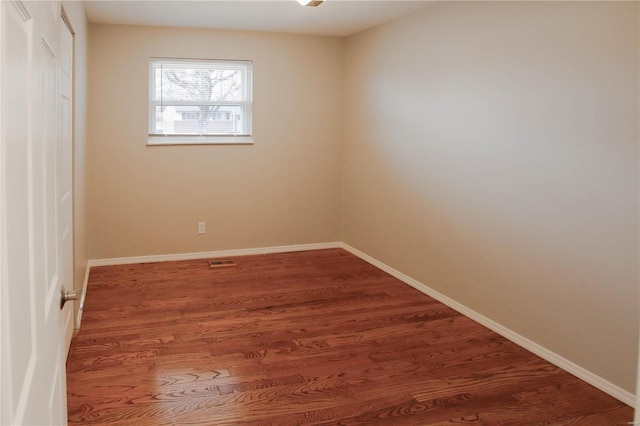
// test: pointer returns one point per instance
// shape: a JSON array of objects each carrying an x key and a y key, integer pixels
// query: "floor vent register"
[{"x": 222, "y": 263}]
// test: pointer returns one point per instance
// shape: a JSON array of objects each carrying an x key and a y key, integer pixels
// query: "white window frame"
[{"x": 176, "y": 139}]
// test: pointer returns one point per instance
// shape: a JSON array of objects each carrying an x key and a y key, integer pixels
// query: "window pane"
[
  {"x": 200, "y": 120},
  {"x": 199, "y": 83}
]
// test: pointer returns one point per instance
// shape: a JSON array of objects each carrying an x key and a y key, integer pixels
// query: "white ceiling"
[{"x": 332, "y": 18}]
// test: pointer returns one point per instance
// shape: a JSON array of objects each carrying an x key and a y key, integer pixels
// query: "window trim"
[
  {"x": 182, "y": 139},
  {"x": 199, "y": 140}
]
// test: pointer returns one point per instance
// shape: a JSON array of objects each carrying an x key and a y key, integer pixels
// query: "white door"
[
  {"x": 32, "y": 356},
  {"x": 65, "y": 172}
]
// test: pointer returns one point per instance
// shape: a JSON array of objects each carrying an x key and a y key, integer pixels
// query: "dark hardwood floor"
[{"x": 317, "y": 337}]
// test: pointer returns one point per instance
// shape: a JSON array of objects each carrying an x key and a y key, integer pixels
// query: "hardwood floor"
[{"x": 317, "y": 337}]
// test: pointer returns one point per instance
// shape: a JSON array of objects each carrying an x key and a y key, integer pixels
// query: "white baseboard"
[
  {"x": 580, "y": 372},
  {"x": 212, "y": 254},
  {"x": 83, "y": 296}
]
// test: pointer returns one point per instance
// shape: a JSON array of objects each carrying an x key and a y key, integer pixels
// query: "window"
[{"x": 199, "y": 101}]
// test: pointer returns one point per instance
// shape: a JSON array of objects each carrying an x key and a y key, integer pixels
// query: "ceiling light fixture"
[{"x": 313, "y": 3}]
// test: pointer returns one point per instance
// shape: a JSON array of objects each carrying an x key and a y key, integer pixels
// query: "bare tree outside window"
[{"x": 204, "y": 85}]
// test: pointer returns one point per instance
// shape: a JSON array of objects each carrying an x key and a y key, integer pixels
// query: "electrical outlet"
[{"x": 201, "y": 228}]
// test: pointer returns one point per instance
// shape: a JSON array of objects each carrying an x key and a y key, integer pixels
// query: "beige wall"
[
  {"x": 491, "y": 152},
  {"x": 284, "y": 189},
  {"x": 76, "y": 14}
]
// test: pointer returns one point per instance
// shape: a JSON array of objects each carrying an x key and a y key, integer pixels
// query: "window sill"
[{"x": 200, "y": 140}]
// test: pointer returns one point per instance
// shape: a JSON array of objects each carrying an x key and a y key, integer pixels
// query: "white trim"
[
  {"x": 211, "y": 254},
  {"x": 580, "y": 372},
  {"x": 83, "y": 295},
  {"x": 199, "y": 140},
  {"x": 636, "y": 414}
]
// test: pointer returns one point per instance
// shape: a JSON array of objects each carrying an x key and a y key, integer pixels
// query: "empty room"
[{"x": 293, "y": 212}]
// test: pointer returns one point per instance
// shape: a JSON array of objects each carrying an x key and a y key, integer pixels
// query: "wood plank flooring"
[{"x": 317, "y": 337}]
